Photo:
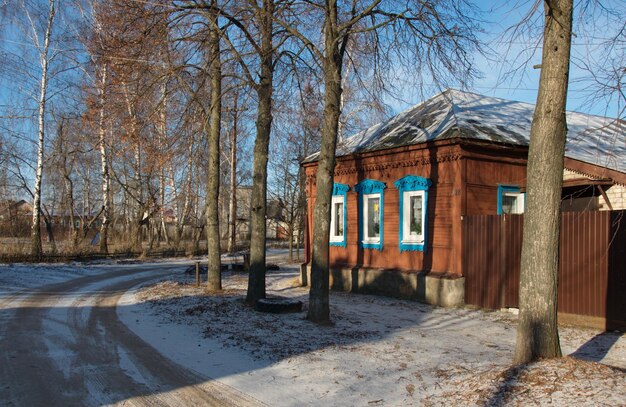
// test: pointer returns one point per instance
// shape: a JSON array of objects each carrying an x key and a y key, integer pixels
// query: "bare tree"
[
  {"x": 232, "y": 205},
  {"x": 265, "y": 87},
  {"x": 44, "y": 59},
  {"x": 104, "y": 162},
  {"x": 213, "y": 128},
  {"x": 256, "y": 23},
  {"x": 437, "y": 35},
  {"x": 537, "y": 333}
]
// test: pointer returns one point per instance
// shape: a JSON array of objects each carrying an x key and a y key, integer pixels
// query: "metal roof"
[{"x": 458, "y": 114}]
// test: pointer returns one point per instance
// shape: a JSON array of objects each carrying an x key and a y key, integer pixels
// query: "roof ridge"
[
  {"x": 453, "y": 107},
  {"x": 590, "y": 138}
]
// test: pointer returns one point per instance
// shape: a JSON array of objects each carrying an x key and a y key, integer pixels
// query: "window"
[
  {"x": 338, "y": 215},
  {"x": 413, "y": 210},
  {"x": 371, "y": 221},
  {"x": 510, "y": 200},
  {"x": 413, "y": 217},
  {"x": 336, "y": 220},
  {"x": 370, "y": 212}
]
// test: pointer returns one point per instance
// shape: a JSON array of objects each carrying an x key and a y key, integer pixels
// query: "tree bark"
[
  {"x": 537, "y": 334},
  {"x": 214, "y": 281},
  {"x": 141, "y": 207},
  {"x": 180, "y": 222},
  {"x": 164, "y": 158},
  {"x": 319, "y": 306},
  {"x": 48, "y": 223},
  {"x": 232, "y": 209},
  {"x": 36, "y": 246},
  {"x": 256, "y": 280},
  {"x": 104, "y": 166}
]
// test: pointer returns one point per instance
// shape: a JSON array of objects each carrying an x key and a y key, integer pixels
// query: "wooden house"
[{"x": 403, "y": 187}]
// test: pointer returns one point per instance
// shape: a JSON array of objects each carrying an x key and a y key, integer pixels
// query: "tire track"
[{"x": 65, "y": 345}]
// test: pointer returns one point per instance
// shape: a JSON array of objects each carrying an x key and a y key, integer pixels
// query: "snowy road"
[{"x": 63, "y": 344}]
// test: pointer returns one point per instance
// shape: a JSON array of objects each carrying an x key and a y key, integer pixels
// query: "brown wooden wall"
[
  {"x": 592, "y": 275},
  {"x": 441, "y": 164},
  {"x": 465, "y": 181},
  {"x": 482, "y": 177}
]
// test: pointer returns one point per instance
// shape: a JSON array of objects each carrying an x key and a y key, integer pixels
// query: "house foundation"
[{"x": 421, "y": 286}]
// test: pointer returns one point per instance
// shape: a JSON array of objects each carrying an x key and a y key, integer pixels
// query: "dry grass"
[{"x": 562, "y": 381}]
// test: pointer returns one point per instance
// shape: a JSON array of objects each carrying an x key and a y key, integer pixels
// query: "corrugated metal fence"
[{"x": 592, "y": 276}]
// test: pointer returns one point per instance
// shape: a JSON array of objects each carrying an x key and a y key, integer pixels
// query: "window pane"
[
  {"x": 338, "y": 219},
  {"x": 509, "y": 204},
  {"x": 373, "y": 217},
  {"x": 415, "y": 227}
]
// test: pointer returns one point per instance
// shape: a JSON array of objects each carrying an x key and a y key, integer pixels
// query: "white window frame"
[
  {"x": 406, "y": 217},
  {"x": 367, "y": 239},
  {"x": 333, "y": 215},
  {"x": 519, "y": 201}
]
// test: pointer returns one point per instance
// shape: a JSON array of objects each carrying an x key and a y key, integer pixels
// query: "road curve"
[{"x": 63, "y": 345}]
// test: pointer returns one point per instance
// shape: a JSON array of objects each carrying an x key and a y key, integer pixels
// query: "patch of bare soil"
[{"x": 564, "y": 382}]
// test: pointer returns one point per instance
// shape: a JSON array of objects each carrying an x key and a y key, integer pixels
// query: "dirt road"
[{"x": 64, "y": 345}]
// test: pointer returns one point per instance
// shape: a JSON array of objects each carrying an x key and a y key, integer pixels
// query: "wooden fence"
[{"x": 592, "y": 275}]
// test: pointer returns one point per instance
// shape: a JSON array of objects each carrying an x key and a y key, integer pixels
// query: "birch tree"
[
  {"x": 104, "y": 161},
  {"x": 96, "y": 48},
  {"x": 44, "y": 59}
]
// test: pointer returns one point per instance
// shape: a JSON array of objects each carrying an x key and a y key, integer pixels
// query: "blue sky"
[
  {"x": 498, "y": 16},
  {"x": 592, "y": 26}
]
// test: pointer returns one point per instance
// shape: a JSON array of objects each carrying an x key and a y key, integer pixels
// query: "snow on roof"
[{"x": 457, "y": 114}]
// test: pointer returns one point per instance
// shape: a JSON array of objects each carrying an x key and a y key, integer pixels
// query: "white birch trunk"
[
  {"x": 104, "y": 165},
  {"x": 36, "y": 246}
]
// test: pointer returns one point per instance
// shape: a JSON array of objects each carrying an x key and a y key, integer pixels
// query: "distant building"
[{"x": 275, "y": 216}]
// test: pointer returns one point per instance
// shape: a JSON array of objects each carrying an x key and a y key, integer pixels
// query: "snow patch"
[{"x": 453, "y": 113}]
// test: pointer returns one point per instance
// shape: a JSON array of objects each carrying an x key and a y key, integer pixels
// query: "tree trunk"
[
  {"x": 232, "y": 209},
  {"x": 537, "y": 334},
  {"x": 62, "y": 151},
  {"x": 104, "y": 166},
  {"x": 290, "y": 231},
  {"x": 180, "y": 222},
  {"x": 69, "y": 199},
  {"x": 319, "y": 307},
  {"x": 214, "y": 282},
  {"x": 36, "y": 247},
  {"x": 164, "y": 157},
  {"x": 256, "y": 280},
  {"x": 53, "y": 245}
]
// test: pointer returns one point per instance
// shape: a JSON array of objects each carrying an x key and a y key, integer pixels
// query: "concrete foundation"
[{"x": 420, "y": 286}]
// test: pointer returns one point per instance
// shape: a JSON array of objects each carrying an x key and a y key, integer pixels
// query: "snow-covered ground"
[
  {"x": 15, "y": 277},
  {"x": 379, "y": 351}
]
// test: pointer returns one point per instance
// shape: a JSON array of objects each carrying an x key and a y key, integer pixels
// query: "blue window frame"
[
  {"x": 413, "y": 197},
  {"x": 370, "y": 213},
  {"x": 339, "y": 215},
  {"x": 510, "y": 200}
]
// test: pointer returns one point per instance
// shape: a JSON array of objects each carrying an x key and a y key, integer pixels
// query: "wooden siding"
[
  {"x": 465, "y": 177},
  {"x": 442, "y": 166},
  {"x": 482, "y": 180},
  {"x": 592, "y": 275}
]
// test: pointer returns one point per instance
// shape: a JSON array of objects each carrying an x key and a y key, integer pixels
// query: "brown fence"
[{"x": 592, "y": 275}]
